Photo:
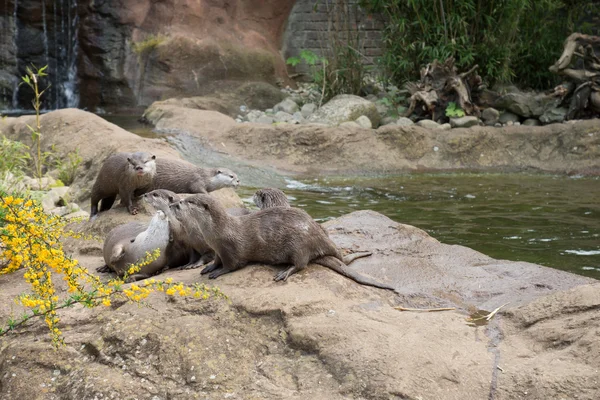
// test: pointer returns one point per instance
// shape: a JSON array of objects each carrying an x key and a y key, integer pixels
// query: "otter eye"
[
  {"x": 171, "y": 199},
  {"x": 155, "y": 194},
  {"x": 231, "y": 176}
]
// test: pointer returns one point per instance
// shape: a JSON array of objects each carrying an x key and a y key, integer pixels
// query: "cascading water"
[{"x": 56, "y": 47}]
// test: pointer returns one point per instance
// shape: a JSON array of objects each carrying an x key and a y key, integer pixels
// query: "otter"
[
  {"x": 181, "y": 176},
  {"x": 278, "y": 235},
  {"x": 181, "y": 253},
  {"x": 121, "y": 250},
  {"x": 122, "y": 174},
  {"x": 270, "y": 197}
]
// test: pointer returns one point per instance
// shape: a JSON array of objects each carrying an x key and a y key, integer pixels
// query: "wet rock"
[
  {"x": 308, "y": 109},
  {"x": 554, "y": 115},
  {"x": 490, "y": 116},
  {"x": 429, "y": 124},
  {"x": 364, "y": 122},
  {"x": 464, "y": 122},
  {"x": 507, "y": 116},
  {"x": 346, "y": 107},
  {"x": 403, "y": 121},
  {"x": 288, "y": 105},
  {"x": 531, "y": 122}
]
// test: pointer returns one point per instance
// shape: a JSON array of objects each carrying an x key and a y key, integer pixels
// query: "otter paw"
[
  {"x": 134, "y": 211},
  {"x": 103, "y": 269},
  {"x": 218, "y": 272},
  {"x": 209, "y": 268}
]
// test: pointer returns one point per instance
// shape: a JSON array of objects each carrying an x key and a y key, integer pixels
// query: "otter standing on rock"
[
  {"x": 121, "y": 174},
  {"x": 120, "y": 250},
  {"x": 272, "y": 236},
  {"x": 181, "y": 176}
]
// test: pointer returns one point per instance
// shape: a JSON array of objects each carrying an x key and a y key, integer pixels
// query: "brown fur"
[
  {"x": 270, "y": 197},
  {"x": 180, "y": 176},
  {"x": 272, "y": 236},
  {"x": 121, "y": 174}
]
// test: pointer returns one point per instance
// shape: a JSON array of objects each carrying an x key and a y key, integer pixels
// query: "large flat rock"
[{"x": 322, "y": 336}]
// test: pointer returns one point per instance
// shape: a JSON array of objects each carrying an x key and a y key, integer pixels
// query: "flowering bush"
[{"x": 31, "y": 240}]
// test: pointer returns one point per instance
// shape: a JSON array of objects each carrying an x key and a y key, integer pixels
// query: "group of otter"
[{"x": 193, "y": 231}]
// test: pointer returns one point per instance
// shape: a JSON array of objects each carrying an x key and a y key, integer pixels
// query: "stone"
[
  {"x": 288, "y": 106},
  {"x": 428, "y": 124},
  {"x": 445, "y": 127},
  {"x": 253, "y": 115},
  {"x": 282, "y": 116},
  {"x": 308, "y": 109},
  {"x": 464, "y": 122},
  {"x": 346, "y": 107},
  {"x": 364, "y": 122},
  {"x": 490, "y": 116},
  {"x": 264, "y": 119},
  {"x": 554, "y": 115},
  {"x": 507, "y": 116},
  {"x": 387, "y": 121},
  {"x": 77, "y": 214},
  {"x": 382, "y": 109},
  {"x": 50, "y": 200},
  {"x": 297, "y": 116},
  {"x": 403, "y": 121},
  {"x": 527, "y": 104},
  {"x": 531, "y": 122},
  {"x": 39, "y": 184}
]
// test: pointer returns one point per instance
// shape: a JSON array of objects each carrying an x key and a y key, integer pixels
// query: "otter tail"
[
  {"x": 354, "y": 256},
  {"x": 339, "y": 267}
]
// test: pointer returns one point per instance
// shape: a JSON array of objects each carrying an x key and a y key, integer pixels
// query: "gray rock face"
[
  {"x": 554, "y": 115},
  {"x": 506, "y": 117},
  {"x": 346, "y": 107},
  {"x": 490, "y": 116},
  {"x": 288, "y": 105},
  {"x": 429, "y": 124},
  {"x": 308, "y": 109},
  {"x": 364, "y": 122},
  {"x": 403, "y": 121},
  {"x": 527, "y": 104},
  {"x": 464, "y": 122}
]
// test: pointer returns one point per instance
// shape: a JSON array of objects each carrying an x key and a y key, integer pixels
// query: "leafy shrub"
[{"x": 506, "y": 38}]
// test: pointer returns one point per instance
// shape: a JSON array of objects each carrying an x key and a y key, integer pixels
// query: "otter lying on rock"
[
  {"x": 181, "y": 176},
  {"x": 121, "y": 174},
  {"x": 272, "y": 236},
  {"x": 121, "y": 250}
]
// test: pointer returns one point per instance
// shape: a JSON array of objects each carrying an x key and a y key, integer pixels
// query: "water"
[{"x": 548, "y": 220}]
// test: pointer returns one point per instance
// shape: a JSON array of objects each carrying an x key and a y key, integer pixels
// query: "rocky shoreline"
[{"x": 319, "y": 335}]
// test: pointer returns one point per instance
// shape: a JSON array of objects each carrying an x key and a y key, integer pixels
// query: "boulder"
[
  {"x": 345, "y": 107},
  {"x": 282, "y": 116},
  {"x": 531, "y": 122},
  {"x": 490, "y": 116},
  {"x": 288, "y": 105},
  {"x": 554, "y": 115},
  {"x": 506, "y": 117},
  {"x": 428, "y": 124},
  {"x": 403, "y": 121},
  {"x": 308, "y": 109},
  {"x": 364, "y": 122},
  {"x": 464, "y": 122},
  {"x": 527, "y": 104},
  {"x": 387, "y": 121}
]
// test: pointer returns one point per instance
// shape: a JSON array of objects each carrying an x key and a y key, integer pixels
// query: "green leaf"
[{"x": 293, "y": 61}]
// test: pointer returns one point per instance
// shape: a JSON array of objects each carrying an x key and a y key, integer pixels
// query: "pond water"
[{"x": 544, "y": 219}]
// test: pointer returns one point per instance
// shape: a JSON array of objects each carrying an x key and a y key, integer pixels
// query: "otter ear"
[
  {"x": 171, "y": 199},
  {"x": 219, "y": 171},
  {"x": 129, "y": 160},
  {"x": 205, "y": 206}
]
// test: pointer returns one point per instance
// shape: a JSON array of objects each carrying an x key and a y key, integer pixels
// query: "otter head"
[
  {"x": 199, "y": 207},
  {"x": 224, "y": 177},
  {"x": 142, "y": 163},
  {"x": 160, "y": 198},
  {"x": 270, "y": 197}
]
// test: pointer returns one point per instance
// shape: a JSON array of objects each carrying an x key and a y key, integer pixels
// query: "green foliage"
[
  {"x": 14, "y": 156},
  {"x": 509, "y": 39},
  {"x": 68, "y": 168},
  {"x": 453, "y": 111}
]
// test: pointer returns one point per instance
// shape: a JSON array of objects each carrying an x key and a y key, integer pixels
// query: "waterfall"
[
  {"x": 15, "y": 94},
  {"x": 70, "y": 89}
]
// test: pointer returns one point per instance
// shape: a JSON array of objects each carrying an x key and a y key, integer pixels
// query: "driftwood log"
[
  {"x": 582, "y": 51},
  {"x": 441, "y": 84}
]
